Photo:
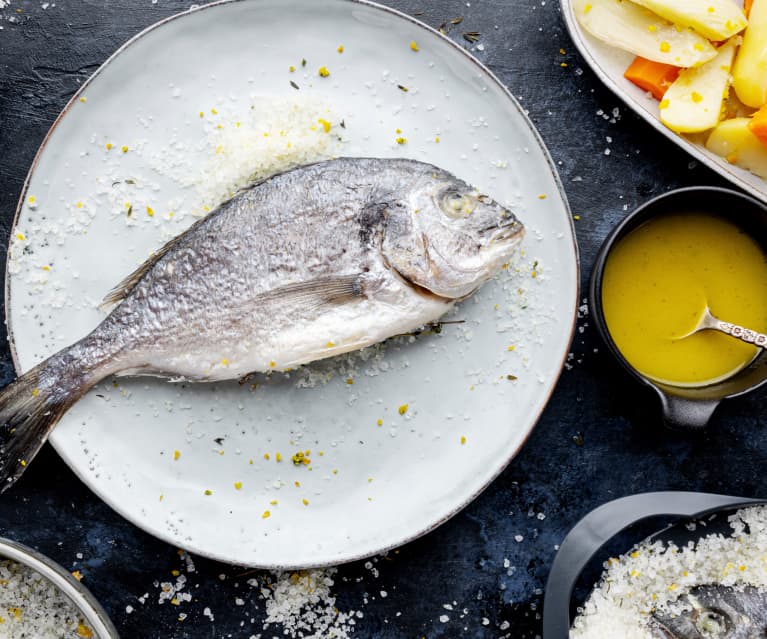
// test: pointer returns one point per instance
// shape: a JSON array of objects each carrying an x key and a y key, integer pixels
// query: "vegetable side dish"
[{"x": 689, "y": 54}]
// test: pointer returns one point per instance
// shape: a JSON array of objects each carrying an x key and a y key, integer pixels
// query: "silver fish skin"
[
  {"x": 716, "y": 612},
  {"x": 319, "y": 260}
]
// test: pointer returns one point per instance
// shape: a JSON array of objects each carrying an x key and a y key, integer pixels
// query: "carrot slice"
[
  {"x": 758, "y": 125},
  {"x": 651, "y": 76}
]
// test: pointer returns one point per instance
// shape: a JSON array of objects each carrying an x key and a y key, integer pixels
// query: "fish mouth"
[{"x": 505, "y": 232}]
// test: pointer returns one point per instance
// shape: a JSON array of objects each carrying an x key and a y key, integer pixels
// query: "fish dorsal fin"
[{"x": 126, "y": 286}]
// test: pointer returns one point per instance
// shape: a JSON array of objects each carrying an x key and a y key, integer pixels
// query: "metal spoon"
[{"x": 707, "y": 321}]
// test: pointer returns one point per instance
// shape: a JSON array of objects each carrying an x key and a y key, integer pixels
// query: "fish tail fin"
[{"x": 29, "y": 409}]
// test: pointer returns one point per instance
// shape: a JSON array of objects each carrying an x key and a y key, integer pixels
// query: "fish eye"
[
  {"x": 456, "y": 205},
  {"x": 711, "y": 624}
]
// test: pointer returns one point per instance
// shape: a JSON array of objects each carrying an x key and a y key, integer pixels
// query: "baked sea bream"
[{"x": 317, "y": 261}]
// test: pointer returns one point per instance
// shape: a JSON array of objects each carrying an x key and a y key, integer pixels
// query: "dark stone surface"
[{"x": 598, "y": 439}]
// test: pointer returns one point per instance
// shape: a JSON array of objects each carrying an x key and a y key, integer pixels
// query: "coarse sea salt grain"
[
  {"x": 652, "y": 576},
  {"x": 303, "y": 605},
  {"x": 31, "y": 606}
]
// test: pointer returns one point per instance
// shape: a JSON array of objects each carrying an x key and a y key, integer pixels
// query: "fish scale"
[{"x": 314, "y": 262}]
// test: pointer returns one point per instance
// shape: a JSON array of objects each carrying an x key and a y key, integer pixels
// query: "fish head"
[
  {"x": 715, "y": 612},
  {"x": 447, "y": 237}
]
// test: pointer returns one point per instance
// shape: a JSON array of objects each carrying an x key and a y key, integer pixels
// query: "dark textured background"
[{"x": 599, "y": 437}]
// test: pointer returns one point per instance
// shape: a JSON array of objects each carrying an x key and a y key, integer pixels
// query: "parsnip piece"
[
  {"x": 749, "y": 75},
  {"x": 628, "y": 26},
  {"x": 717, "y": 20},
  {"x": 733, "y": 140},
  {"x": 694, "y": 101}
]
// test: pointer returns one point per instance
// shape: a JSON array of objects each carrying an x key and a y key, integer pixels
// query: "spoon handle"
[{"x": 740, "y": 332}]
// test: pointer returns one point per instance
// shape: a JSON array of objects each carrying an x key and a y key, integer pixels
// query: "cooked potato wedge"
[
  {"x": 694, "y": 100},
  {"x": 716, "y": 20},
  {"x": 733, "y": 140},
  {"x": 628, "y": 26},
  {"x": 749, "y": 75}
]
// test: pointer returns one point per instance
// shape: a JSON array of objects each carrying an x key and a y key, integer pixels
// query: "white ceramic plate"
[
  {"x": 369, "y": 487},
  {"x": 609, "y": 63}
]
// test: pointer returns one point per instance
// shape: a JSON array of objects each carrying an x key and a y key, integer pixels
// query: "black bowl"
[
  {"x": 584, "y": 543},
  {"x": 685, "y": 407}
]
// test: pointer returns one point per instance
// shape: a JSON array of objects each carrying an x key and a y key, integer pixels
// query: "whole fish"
[
  {"x": 716, "y": 612},
  {"x": 317, "y": 261}
]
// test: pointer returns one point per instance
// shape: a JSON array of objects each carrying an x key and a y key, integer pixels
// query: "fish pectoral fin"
[{"x": 319, "y": 292}]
